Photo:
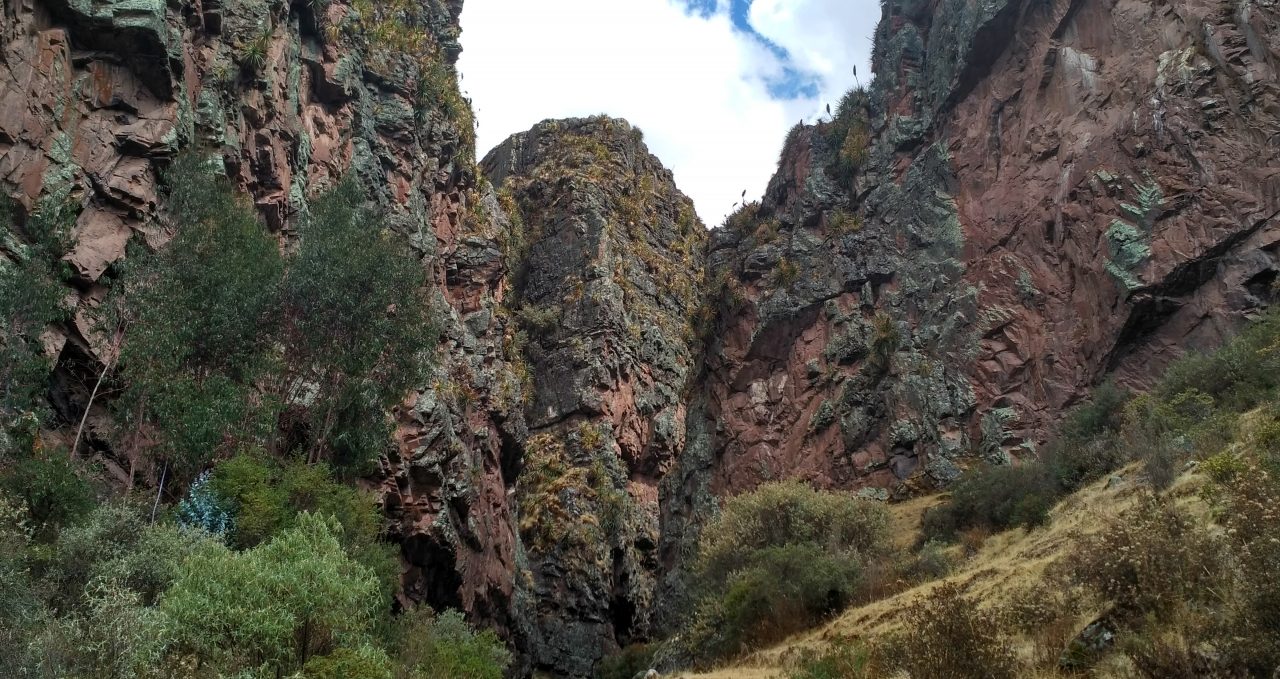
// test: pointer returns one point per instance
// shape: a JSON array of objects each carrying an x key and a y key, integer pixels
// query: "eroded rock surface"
[
  {"x": 1029, "y": 197},
  {"x": 608, "y": 303}
]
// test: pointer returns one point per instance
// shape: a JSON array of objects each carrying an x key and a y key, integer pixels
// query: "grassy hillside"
[{"x": 1142, "y": 543}]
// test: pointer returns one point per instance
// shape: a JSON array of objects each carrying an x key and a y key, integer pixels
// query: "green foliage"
[
  {"x": 842, "y": 660},
  {"x": 252, "y": 54},
  {"x": 274, "y": 606},
  {"x": 358, "y": 324},
  {"x": 849, "y": 133},
  {"x": 999, "y": 497},
  {"x": 884, "y": 341},
  {"x": 203, "y": 508},
  {"x": 1238, "y": 376},
  {"x": 444, "y": 646},
  {"x": 778, "y": 559},
  {"x": 50, "y": 487},
  {"x": 203, "y": 315},
  {"x": 115, "y": 546},
  {"x": 31, "y": 298},
  {"x": 841, "y": 222},
  {"x": 1088, "y": 443},
  {"x": 365, "y": 662},
  {"x": 224, "y": 332},
  {"x": 785, "y": 273},
  {"x": 743, "y": 219},
  {"x": 633, "y": 660},
  {"x": 266, "y": 496}
]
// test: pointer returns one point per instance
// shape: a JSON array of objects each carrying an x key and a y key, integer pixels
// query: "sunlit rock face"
[
  {"x": 1028, "y": 198},
  {"x": 1047, "y": 194}
]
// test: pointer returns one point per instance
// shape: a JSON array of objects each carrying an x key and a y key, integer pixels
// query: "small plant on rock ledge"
[{"x": 785, "y": 274}]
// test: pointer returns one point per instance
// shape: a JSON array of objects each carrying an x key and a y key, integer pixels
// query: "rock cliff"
[
  {"x": 97, "y": 96},
  {"x": 608, "y": 302},
  {"x": 1029, "y": 197}
]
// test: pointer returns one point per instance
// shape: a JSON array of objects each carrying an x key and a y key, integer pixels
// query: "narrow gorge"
[{"x": 1030, "y": 197}]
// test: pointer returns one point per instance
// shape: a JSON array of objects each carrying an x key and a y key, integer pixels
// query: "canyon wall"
[{"x": 1029, "y": 197}]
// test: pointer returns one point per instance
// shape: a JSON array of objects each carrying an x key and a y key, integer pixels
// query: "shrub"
[
  {"x": 267, "y": 496},
  {"x": 1151, "y": 560},
  {"x": 274, "y": 606},
  {"x": 633, "y": 660},
  {"x": 947, "y": 636},
  {"x": 849, "y": 134},
  {"x": 842, "y": 660},
  {"x": 778, "y": 559},
  {"x": 1237, "y": 376},
  {"x": 1252, "y": 518},
  {"x": 444, "y": 646},
  {"x": 743, "y": 219},
  {"x": 116, "y": 546},
  {"x": 884, "y": 341},
  {"x": 365, "y": 662},
  {"x": 1087, "y": 446},
  {"x": 51, "y": 488},
  {"x": 204, "y": 509},
  {"x": 998, "y": 497},
  {"x": 785, "y": 273}
]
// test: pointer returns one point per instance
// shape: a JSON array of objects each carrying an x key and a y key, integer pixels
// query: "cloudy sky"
[{"x": 714, "y": 84}]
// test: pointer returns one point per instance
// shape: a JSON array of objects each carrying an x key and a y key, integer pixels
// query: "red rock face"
[
  {"x": 1183, "y": 98},
  {"x": 96, "y": 98},
  {"x": 1041, "y": 195},
  {"x": 1107, "y": 183}
]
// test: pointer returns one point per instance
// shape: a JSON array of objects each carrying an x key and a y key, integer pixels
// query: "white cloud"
[
  {"x": 694, "y": 84},
  {"x": 826, "y": 37}
]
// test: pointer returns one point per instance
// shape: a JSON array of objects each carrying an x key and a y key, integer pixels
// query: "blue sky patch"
[{"x": 794, "y": 83}]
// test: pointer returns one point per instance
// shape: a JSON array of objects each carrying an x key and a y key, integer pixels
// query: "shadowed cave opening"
[{"x": 437, "y": 581}]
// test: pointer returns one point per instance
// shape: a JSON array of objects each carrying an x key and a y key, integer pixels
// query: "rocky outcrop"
[
  {"x": 1028, "y": 198},
  {"x": 608, "y": 301},
  {"x": 96, "y": 96}
]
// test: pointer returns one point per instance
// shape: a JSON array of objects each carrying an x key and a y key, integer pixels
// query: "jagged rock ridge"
[{"x": 1030, "y": 196}]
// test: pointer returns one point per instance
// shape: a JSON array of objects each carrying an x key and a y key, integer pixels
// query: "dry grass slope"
[{"x": 1005, "y": 566}]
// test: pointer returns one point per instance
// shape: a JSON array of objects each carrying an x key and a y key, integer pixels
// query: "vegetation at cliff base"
[
  {"x": 253, "y": 380},
  {"x": 1142, "y": 542},
  {"x": 777, "y": 560}
]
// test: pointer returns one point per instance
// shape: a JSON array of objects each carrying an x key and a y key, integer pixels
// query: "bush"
[
  {"x": 1247, "y": 632},
  {"x": 998, "y": 497},
  {"x": 947, "y": 636},
  {"x": 1237, "y": 376},
  {"x": 265, "y": 497},
  {"x": 444, "y": 646},
  {"x": 634, "y": 659},
  {"x": 778, "y": 559},
  {"x": 1151, "y": 560},
  {"x": 117, "y": 545},
  {"x": 1088, "y": 445},
  {"x": 365, "y": 662},
  {"x": 842, "y": 660},
  {"x": 51, "y": 489},
  {"x": 274, "y": 606}
]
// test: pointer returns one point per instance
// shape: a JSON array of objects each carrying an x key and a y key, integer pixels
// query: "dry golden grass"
[{"x": 1006, "y": 563}]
